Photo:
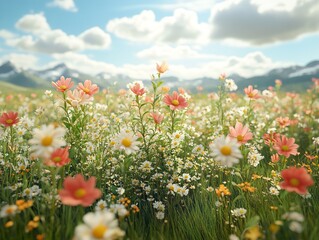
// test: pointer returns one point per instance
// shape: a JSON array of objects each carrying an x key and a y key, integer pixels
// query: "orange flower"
[
  {"x": 9, "y": 119},
  {"x": 63, "y": 84},
  {"x": 77, "y": 191},
  {"x": 296, "y": 180},
  {"x": 162, "y": 68},
  {"x": 58, "y": 158},
  {"x": 222, "y": 191}
]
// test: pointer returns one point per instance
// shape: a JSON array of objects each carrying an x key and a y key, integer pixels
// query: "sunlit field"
[{"x": 79, "y": 162}]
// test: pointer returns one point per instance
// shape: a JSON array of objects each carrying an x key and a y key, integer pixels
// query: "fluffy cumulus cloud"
[
  {"x": 260, "y": 22},
  {"x": 68, "y": 5},
  {"x": 182, "y": 27},
  {"x": 33, "y": 23},
  {"x": 96, "y": 38},
  {"x": 43, "y": 39},
  {"x": 173, "y": 53},
  {"x": 22, "y": 61},
  {"x": 5, "y": 34}
]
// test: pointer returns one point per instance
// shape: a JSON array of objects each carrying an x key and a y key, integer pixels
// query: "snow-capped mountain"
[{"x": 293, "y": 78}]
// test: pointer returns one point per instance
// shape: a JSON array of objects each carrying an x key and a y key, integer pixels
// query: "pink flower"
[
  {"x": 278, "y": 82},
  {"x": 286, "y": 146},
  {"x": 58, "y": 158},
  {"x": 175, "y": 101},
  {"x": 241, "y": 133},
  {"x": 78, "y": 97},
  {"x": 283, "y": 122},
  {"x": 162, "y": 68},
  {"x": 157, "y": 117},
  {"x": 137, "y": 89},
  {"x": 296, "y": 180},
  {"x": 88, "y": 87},
  {"x": 274, "y": 158},
  {"x": 63, "y": 84},
  {"x": 270, "y": 138},
  {"x": 9, "y": 119},
  {"x": 251, "y": 92},
  {"x": 77, "y": 191}
]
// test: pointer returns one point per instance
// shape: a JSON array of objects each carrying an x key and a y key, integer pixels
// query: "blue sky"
[{"x": 198, "y": 38}]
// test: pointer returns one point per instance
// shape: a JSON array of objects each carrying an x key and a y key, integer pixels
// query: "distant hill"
[{"x": 294, "y": 78}]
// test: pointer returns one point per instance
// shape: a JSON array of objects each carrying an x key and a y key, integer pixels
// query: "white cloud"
[
  {"x": 264, "y": 22},
  {"x": 195, "y": 5},
  {"x": 47, "y": 40},
  {"x": 6, "y": 34},
  {"x": 85, "y": 64},
  {"x": 23, "y": 61},
  {"x": 252, "y": 64},
  {"x": 96, "y": 38},
  {"x": 68, "y": 5},
  {"x": 182, "y": 27},
  {"x": 33, "y": 23},
  {"x": 174, "y": 53}
]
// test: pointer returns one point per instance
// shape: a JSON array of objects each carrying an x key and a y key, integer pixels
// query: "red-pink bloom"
[
  {"x": 274, "y": 158},
  {"x": 270, "y": 138},
  {"x": 251, "y": 92},
  {"x": 137, "y": 89},
  {"x": 157, "y": 117},
  {"x": 9, "y": 119},
  {"x": 88, "y": 87},
  {"x": 77, "y": 191},
  {"x": 58, "y": 158},
  {"x": 241, "y": 133},
  {"x": 162, "y": 68},
  {"x": 283, "y": 122},
  {"x": 286, "y": 146},
  {"x": 296, "y": 180},
  {"x": 63, "y": 84},
  {"x": 175, "y": 101}
]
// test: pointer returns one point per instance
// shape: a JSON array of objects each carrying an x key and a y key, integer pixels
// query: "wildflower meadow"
[{"x": 147, "y": 162}]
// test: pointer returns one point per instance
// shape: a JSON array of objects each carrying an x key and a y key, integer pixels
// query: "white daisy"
[
  {"x": 46, "y": 139},
  {"x": 8, "y": 210},
  {"x": 127, "y": 141},
  {"x": 98, "y": 225},
  {"x": 226, "y": 151}
]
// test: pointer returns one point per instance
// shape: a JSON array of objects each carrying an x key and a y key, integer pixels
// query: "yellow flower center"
[
  {"x": 9, "y": 121},
  {"x": 56, "y": 159},
  {"x": 240, "y": 138},
  {"x": 99, "y": 230},
  {"x": 225, "y": 150},
  {"x": 294, "y": 182},
  {"x": 177, "y": 136},
  {"x": 80, "y": 193},
  {"x": 9, "y": 210},
  {"x": 175, "y": 102},
  {"x": 126, "y": 142},
  {"x": 47, "y": 141},
  {"x": 285, "y": 148},
  {"x": 63, "y": 87},
  {"x": 86, "y": 90}
]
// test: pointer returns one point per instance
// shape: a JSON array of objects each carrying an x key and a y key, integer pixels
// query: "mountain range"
[{"x": 294, "y": 78}]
